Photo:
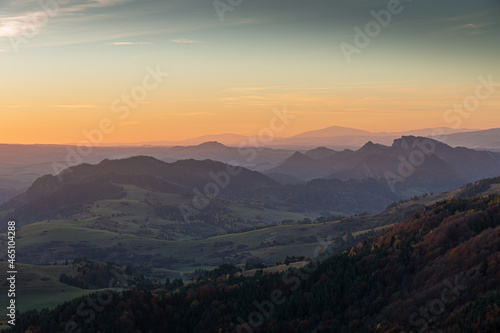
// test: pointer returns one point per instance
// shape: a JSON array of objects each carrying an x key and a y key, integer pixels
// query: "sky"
[{"x": 73, "y": 70}]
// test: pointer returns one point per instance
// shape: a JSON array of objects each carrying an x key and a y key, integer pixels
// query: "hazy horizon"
[{"x": 253, "y": 134}]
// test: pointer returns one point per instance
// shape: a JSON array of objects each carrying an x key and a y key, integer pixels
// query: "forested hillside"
[{"x": 437, "y": 271}]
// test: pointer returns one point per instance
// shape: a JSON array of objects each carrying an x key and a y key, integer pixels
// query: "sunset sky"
[{"x": 63, "y": 70}]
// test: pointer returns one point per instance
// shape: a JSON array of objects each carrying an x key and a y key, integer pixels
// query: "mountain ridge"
[{"x": 415, "y": 154}]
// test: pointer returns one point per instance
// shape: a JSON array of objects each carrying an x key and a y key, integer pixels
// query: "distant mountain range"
[
  {"x": 340, "y": 138},
  {"x": 348, "y": 181},
  {"x": 444, "y": 166},
  {"x": 482, "y": 140},
  {"x": 253, "y": 158},
  {"x": 23, "y": 164},
  {"x": 334, "y": 137}
]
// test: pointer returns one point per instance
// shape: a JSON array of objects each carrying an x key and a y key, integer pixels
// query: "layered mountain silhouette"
[
  {"x": 319, "y": 153},
  {"x": 23, "y": 164},
  {"x": 419, "y": 161},
  {"x": 336, "y": 137},
  {"x": 349, "y": 181},
  {"x": 67, "y": 194},
  {"x": 482, "y": 140},
  {"x": 251, "y": 157}
]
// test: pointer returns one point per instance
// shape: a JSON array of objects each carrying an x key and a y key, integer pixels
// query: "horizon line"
[{"x": 171, "y": 143}]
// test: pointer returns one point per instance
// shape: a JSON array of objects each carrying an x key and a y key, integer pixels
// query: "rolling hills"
[
  {"x": 189, "y": 216},
  {"x": 54, "y": 242},
  {"x": 437, "y": 270},
  {"x": 23, "y": 164},
  {"x": 206, "y": 191}
]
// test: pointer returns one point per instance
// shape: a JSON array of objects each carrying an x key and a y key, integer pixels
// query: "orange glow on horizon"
[{"x": 162, "y": 118}]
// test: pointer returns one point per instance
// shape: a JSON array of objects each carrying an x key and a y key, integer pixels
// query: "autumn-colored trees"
[{"x": 439, "y": 270}]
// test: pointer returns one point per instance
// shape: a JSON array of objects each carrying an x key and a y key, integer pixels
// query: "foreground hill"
[
  {"x": 58, "y": 242},
  {"x": 438, "y": 270},
  {"x": 184, "y": 247},
  {"x": 21, "y": 165},
  {"x": 66, "y": 194},
  {"x": 206, "y": 191}
]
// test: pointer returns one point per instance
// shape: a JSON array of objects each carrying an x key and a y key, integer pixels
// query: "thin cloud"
[
  {"x": 187, "y": 114},
  {"x": 187, "y": 41},
  {"x": 130, "y": 123},
  {"x": 471, "y": 28},
  {"x": 190, "y": 114},
  {"x": 63, "y": 106},
  {"x": 106, "y": 3},
  {"x": 472, "y": 16},
  {"x": 455, "y": 23},
  {"x": 77, "y": 106},
  {"x": 129, "y": 43},
  {"x": 260, "y": 88},
  {"x": 32, "y": 21}
]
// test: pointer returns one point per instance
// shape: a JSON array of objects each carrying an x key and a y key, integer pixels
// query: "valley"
[{"x": 378, "y": 282}]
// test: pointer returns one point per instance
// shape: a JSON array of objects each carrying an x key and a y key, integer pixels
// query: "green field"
[
  {"x": 116, "y": 231},
  {"x": 38, "y": 287}
]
